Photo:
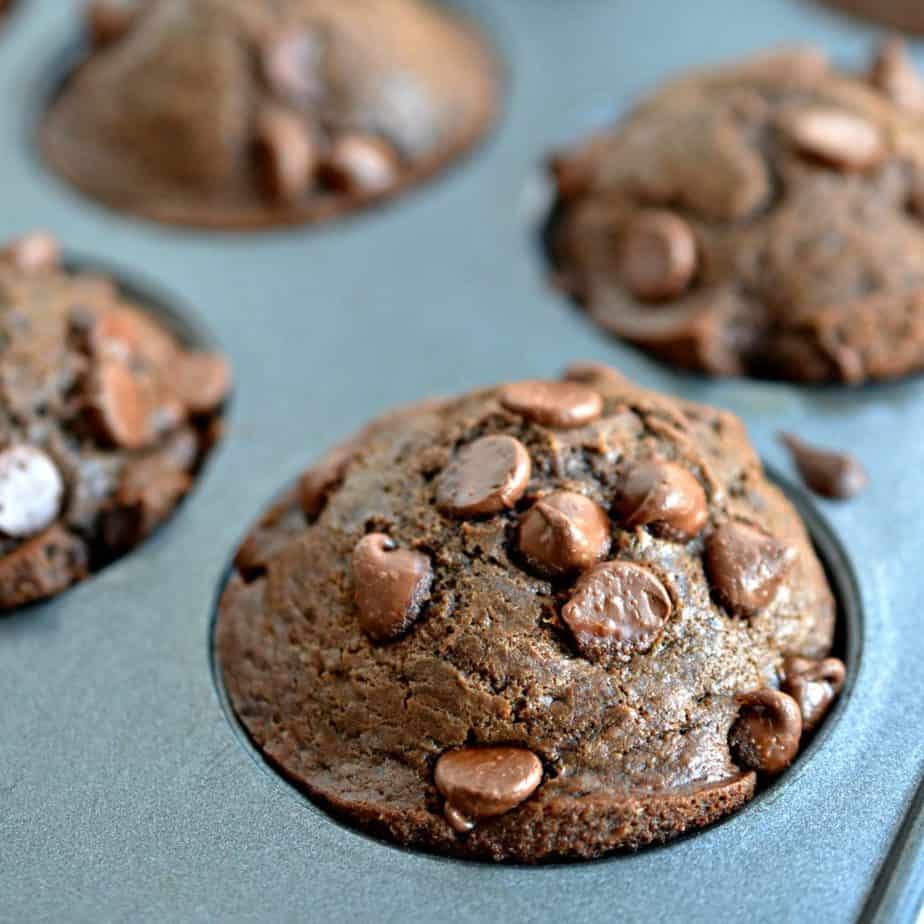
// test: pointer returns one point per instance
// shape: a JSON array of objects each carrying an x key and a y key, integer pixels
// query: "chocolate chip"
[
  {"x": 766, "y": 734},
  {"x": 285, "y": 154},
  {"x": 31, "y": 489},
  {"x": 456, "y": 819},
  {"x": 278, "y": 528},
  {"x": 570, "y": 176},
  {"x": 617, "y": 609},
  {"x": 129, "y": 334},
  {"x": 200, "y": 380},
  {"x": 41, "y": 567},
  {"x": 34, "y": 252},
  {"x": 813, "y": 685},
  {"x": 836, "y": 137},
  {"x": 893, "y": 72},
  {"x": 391, "y": 586},
  {"x": 564, "y": 532},
  {"x": 359, "y": 164},
  {"x": 121, "y": 410},
  {"x": 658, "y": 256},
  {"x": 292, "y": 65},
  {"x": 149, "y": 490},
  {"x": 665, "y": 497},
  {"x": 836, "y": 475},
  {"x": 167, "y": 413},
  {"x": 485, "y": 782},
  {"x": 746, "y": 567},
  {"x": 588, "y": 372},
  {"x": 486, "y": 477},
  {"x": 317, "y": 482},
  {"x": 561, "y": 405},
  {"x": 108, "y": 22}
]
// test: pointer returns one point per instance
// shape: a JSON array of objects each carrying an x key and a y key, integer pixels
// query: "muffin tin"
[{"x": 127, "y": 792}]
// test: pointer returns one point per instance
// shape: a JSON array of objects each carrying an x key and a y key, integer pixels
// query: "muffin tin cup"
[{"x": 125, "y": 792}]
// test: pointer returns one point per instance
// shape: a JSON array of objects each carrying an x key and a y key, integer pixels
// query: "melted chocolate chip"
[
  {"x": 286, "y": 157},
  {"x": 34, "y": 252},
  {"x": 836, "y": 475},
  {"x": 766, "y": 734},
  {"x": 125, "y": 334},
  {"x": 292, "y": 65},
  {"x": 893, "y": 72},
  {"x": 588, "y": 372},
  {"x": 108, "y": 22},
  {"x": 663, "y": 496},
  {"x": 561, "y": 405},
  {"x": 570, "y": 176},
  {"x": 617, "y": 609},
  {"x": 317, "y": 482},
  {"x": 659, "y": 256},
  {"x": 151, "y": 486},
  {"x": 359, "y": 164},
  {"x": 486, "y": 477},
  {"x": 813, "y": 685},
  {"x": 120, "y": 410},
  {"x": 746, "y": 567},
  {"x": 201, "y": 381},
  {"x": 836, "y": 137},
  {"x": 564, "y": 532},
  {"x": 484, "y": 782},
  {"x": 391, "y": 586},
  {"x": 31, "y": 490}
]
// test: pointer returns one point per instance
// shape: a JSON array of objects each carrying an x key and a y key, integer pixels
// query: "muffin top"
[
  {"x": 104, "y": 419},
  {"x": 235, "y": 113},
  {"x": 551, "y": 618},
  {"x": 762, "y": 219}
]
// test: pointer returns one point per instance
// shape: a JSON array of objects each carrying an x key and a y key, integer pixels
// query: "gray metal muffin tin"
[{"x": 127, "y": 793}]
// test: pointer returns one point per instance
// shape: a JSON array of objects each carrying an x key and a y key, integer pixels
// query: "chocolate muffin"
[
  {"x": 765, "y": 219},
  {"x": 548, "y": 619},
  {"x": 899, "y": 14},
  {"x": 231, "y": 113},
  {"x": 104, "y": 420}
]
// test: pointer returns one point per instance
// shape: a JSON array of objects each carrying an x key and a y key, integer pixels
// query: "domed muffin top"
[
  {"x": 104, "y": 419},
  {"x": 234, "y": 113},
  {"x": 549, "y": 618},
  {"x": 766, "y": 219}
]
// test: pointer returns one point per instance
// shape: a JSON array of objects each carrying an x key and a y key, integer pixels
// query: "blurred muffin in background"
[
  {"x": 105, "y": 419},
  {"x": 236, "y": 113},
  {"x": 764, "y": 219}
]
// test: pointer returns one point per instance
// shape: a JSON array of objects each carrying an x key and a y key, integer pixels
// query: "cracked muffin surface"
[
  {"x": 231, "y": 113},
  {"x": 105, "y": 419},
  {"x": 547, "y": 619},
  {"x": 762, "y": 219}
]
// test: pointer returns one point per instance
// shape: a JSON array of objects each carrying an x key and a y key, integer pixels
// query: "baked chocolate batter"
[{"x": 549, "y": 619}]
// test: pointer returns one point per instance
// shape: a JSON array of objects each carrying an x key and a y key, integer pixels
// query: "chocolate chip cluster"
[
  {"x": 614, "y": 608},
  {"x": 104, "y": 419},
  {"x": 760, "y": 219}
]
